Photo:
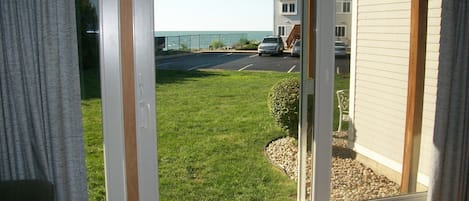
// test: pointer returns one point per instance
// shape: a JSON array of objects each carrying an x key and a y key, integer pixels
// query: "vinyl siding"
[
  {"x": 346, "y": 20},
  {"x": 381, "y": 74},
  {"x": 288, "y": 20}
]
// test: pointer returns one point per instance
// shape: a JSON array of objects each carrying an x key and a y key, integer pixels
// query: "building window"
[
  {"x": 292, "y": 8},
  {"x": 343, "y": 6},
  {"x": 284, "y": 8},
  {"x": 340, "y": 31},
  {"x": 289, "y": 8},
  {"x": 346, "y": 7},
  {"x": 281, "y": 30}
]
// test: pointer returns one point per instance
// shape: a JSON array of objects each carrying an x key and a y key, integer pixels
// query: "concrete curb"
[
  {"x": 228, "y": 51},
  {"x": 175, "y": 55},
  {"x": 205, "y": 51},
  {"x": 288, "y": 51}
]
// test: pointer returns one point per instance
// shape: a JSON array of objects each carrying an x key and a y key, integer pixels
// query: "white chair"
[{"x": 343, "y": 105}]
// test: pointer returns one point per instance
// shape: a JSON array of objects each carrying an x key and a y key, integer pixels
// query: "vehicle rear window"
[
  {"x": 339, "y": 44},
  {"x": 270, "y": 40}
]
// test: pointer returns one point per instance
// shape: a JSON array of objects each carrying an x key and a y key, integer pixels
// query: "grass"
[
  {"x": 212, "y": 129},
  {"x": 92, "y": 129},
  {"x": 341, "y": 82}
]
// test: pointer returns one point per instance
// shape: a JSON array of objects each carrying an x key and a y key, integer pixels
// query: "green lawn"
[{"x": 212, "y": 129}]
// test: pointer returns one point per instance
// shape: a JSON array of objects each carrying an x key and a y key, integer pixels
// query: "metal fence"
[{"x": 197, "y": 42}]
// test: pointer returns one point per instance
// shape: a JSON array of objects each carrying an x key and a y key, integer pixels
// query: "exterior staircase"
[{"x": 294, "y": 35}]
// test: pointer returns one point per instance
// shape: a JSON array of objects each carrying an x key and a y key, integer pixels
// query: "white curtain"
[
  {"x": 40, "y": 117},
  {"x": 450, "y": 180}
]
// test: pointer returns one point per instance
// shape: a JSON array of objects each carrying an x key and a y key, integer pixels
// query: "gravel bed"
[{"x": 350, "y": 179}]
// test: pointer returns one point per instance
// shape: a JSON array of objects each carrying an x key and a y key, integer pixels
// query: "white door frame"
[
  {"x": 320, "y": 87},
  {"x": 143, "y": 95},
  {"x": 317, "y": 91}
]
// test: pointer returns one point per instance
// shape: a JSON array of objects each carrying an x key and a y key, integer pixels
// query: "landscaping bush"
[
  {"x": 245, "y": 44},
  {"x": 284, "y": 100},
  {"x": 183, "y": 47},
  {"x": 251, "y": 46},
  {"x": 216, "y": 44},
  {"x": 243, "y": 41}
]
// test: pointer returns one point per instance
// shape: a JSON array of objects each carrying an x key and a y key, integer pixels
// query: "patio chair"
[{"x": 343, "y": 105}]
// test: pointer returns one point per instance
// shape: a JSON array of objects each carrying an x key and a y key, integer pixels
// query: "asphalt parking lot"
[{"x": 239, "y": 62}]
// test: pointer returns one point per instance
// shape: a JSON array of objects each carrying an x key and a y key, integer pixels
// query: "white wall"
[
  {"x": 380, "y": 68},
  {"x": 288, "y": 20},
  {"x": 344, "y": 19}
]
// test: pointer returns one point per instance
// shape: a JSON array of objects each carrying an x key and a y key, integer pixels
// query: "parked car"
[
  {"x": 296, "y": 49},
  {"x": 339, "y": 43},
  {"x": 271, "y": 45},
  {"x": 340, "y": 49}
]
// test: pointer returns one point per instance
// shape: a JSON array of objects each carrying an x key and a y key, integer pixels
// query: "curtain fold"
[
  {"x": 451, "y": 136},
  {"x": 40, "y": 126}
]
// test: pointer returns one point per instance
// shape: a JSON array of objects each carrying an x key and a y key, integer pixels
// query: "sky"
[{"x": 214, "y": 15}]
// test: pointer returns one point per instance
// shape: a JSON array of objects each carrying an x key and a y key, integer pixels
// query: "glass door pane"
[
  {"x": 88, "y": 43},
  {"x": 212, "y": 91}
]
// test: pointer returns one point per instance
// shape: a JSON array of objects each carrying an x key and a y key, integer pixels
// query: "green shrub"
[
  {"x": 183, "y": 47},
  {"x": 243, "y": 41},
  {"x": 216, "y": 44},
  {"x": 284, "y": 100},
  {"x": 245, "y": 44},
  {"x": 250, "y": 46}
]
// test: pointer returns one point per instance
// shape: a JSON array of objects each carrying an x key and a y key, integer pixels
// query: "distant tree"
[
  {"x": 216, "y": 44},
  {"x": 243, "y": 41},
  {"x": 245, "y": 44},
  {"x": 184, "y": 47}
]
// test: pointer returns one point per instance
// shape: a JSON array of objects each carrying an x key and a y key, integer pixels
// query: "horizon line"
[{"x": 212, "y": 30}]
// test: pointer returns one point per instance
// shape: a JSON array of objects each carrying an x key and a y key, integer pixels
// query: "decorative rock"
[{"x": 350, "y": 180}]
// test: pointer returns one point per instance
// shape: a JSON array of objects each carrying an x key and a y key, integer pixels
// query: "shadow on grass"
[
  {"x": 174, "y": 76},
  {"x": 91, "y": 89},
  {"x": 90, "y": 84}
]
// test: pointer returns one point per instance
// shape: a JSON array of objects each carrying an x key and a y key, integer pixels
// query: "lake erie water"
[
  {"x": 203, "y": 39},
  {"x": 251, "y": 35}
]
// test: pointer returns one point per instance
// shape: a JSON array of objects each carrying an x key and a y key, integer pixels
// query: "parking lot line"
[
  {"x": 195, "y": 67},
  {"x": 247, "y": 66},
  {"x": 252, "y": 56},
  {"x": 291, "y": 69}
]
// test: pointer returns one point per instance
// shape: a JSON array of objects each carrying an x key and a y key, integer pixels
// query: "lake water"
[
  {"x": 203, "y": 39},
  {"x": 251, "y": 35}
]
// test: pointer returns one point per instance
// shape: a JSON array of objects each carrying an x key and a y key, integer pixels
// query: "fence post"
[{"x": 179, "y": 42}]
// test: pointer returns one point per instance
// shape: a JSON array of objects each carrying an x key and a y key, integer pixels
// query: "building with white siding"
[
  {"x": 287, "y": 14},
  {"x": 378, "y": 84},
  {"x": 343, "y": 20}
]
